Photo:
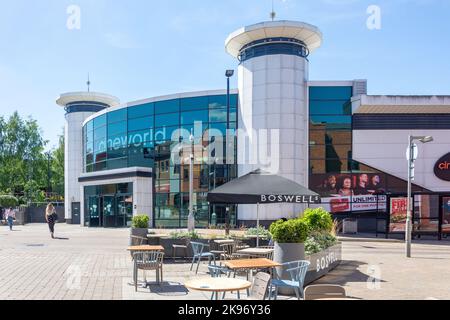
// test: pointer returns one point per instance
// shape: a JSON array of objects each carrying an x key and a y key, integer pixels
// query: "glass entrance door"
[
  {"x": 446, "y": 216},
  {"x": 94, "y": 217},
  {"x": 124, "y": 211},
  {"x": 109, "y": 212}
]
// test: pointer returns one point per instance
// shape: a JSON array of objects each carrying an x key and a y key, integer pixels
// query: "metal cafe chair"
[
  {"x": 146, "y": 261},
  {"x": 297, "y": 271},
  {"x": 198, "y": 253}
]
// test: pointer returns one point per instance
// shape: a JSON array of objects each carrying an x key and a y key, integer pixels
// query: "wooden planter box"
[{"x": 323, "y": 262}]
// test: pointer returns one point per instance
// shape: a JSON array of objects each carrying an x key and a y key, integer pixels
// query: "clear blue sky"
[{"x": 141, "y": 48}]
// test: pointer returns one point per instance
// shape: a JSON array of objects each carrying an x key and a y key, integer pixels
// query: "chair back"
[
  {"x": 148, "y": 259},
  {"x": 298, "y": 270},
  {"x": 324, "y": 292},
  {"x": 197, "y": 248},
  {"x": 137, "y": 241},
  {"x": 215, "y": 271},
  {"x": 260, "y": 285}
]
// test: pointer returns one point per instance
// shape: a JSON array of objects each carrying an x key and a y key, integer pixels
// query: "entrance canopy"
[{"x": 261, "y": 187}]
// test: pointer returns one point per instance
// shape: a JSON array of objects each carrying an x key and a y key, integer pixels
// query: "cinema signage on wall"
[{"x": 442, "y": 168}]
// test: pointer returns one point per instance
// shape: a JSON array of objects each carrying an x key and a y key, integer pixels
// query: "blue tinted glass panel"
[
  {"x": 171, "y": 119},
  {"x": 140, "y": 124},
  {"x": 143, "y": 135},
  {"x": 220, "y": 115},
  {"x": 117, "y": 163},
  {"x": 194, "y": 116},
  {"x": 90, "y": 126},
  {"x": 100, "y": 121},
  {"x": 100, "y": 166},
  {"x": 331, "y": 122},
  {"x": 188, "y": 104},
  {"x": 100, "y": 133},
  {"x": 117, "y": 116},
  {"x": 145, "y": 110},
  {"x": 167, "y": 106},
  {"x": 339, "y": 107},
  {"x": 167, "y": 134},
  {"x": 117, "y": 128},
  {"x": 330, "y": 93}
]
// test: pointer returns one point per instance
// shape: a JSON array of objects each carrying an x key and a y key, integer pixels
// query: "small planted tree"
[
  {"x": 7, "y": 201},
  {"x": 318, "y": 220}
]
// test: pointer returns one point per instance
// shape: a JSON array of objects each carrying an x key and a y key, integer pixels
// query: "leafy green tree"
[
  {"x": 57, "y": 167},
  {"x": 22, "y": 160}
]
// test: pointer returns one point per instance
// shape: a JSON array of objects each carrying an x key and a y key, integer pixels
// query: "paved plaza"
[{"x": 93, "y": 264}]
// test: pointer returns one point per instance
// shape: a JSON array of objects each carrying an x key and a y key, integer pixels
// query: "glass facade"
[
  {"x": 345, "y": 185},
  {"x": 149, "y": 135}
]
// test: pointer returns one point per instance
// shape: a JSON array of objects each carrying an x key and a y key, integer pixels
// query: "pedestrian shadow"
[
  {"x": 59, "y": 238},
  {"x": 169, "y": 289}
]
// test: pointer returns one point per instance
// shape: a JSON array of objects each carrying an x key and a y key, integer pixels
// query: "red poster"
[
  {"x": 340, "y": 205},
  {"x": 399, "y": 210}
]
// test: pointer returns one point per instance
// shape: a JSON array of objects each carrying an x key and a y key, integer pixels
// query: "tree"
[
  {"x": 58, "y": 167},
  {"x": 22, "y": 159}
]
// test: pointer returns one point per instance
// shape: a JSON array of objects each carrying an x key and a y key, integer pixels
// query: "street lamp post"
[
  {"x": 412, "y": 157},
  {"x": 228, "y": 74}
]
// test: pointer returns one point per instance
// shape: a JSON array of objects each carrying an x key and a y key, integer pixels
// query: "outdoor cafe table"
[
  {"x": 256, "y": 252},
  {"x": 218, "y": 285},
  {"x": 252, "y": 264},
  {"x": 224, "y": 241},
  {"x": 145, "y": 248}
]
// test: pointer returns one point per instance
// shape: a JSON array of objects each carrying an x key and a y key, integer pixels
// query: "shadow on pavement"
[{"x": 169, "y": 289}]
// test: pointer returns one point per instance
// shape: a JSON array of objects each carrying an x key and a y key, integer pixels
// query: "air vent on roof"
[{"x": 359, "y": 87}]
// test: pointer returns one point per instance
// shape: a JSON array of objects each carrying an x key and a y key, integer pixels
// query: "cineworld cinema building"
[{"x": 126, "y": 159}]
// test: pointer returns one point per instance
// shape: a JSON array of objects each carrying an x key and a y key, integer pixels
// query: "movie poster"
[{"x": 399, "y": 211}]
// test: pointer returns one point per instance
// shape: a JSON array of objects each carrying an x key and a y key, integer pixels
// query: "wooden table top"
[
  {"x": 256, "y": 251},
  {"x": 251, "y": 264},
  {"x": 223, "y": 241},
  {"x": 146, "y": 248},
  {"x": 218, "y": 284}
]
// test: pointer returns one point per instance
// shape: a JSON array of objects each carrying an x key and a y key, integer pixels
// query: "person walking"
[
  {"x": 51, "y": 217},
  {"x": 10, "y": 215}
]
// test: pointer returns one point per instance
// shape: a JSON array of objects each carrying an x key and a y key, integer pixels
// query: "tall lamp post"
[
  {"x": 191, "y": 218},
  {"x": 228, "y": 74},
  {"x": 411, "y": 155}
]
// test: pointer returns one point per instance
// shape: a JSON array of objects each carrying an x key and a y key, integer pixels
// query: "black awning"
[{"x": 262, "y": 187}]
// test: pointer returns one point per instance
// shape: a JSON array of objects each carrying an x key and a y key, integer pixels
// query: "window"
[
  {"x": 330, "y": 93},
  {"x": 100, "y": 121},
  {"x": 169, "y": 106},
  {"x": 140, "y": 124},
  {"x": 189, "y": 104},
  {"x": 331, "y": 107},
  {"x": 117, "y": 116},
  {"x": 145, "y": 110},
  {"x": 194, "y": 116},
  {"x": 171, "y": 119},
  {"x": 117, "y": 128}
]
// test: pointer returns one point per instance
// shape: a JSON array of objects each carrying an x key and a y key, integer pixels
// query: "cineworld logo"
[
  {"x": 289, "y": 199},
  {"x": 442, "y": 168}
]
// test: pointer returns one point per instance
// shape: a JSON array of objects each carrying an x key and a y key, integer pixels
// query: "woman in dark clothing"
[{"x": 51, "y": 217}]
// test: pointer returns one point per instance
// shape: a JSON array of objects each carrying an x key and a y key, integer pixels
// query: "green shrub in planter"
[
  {"x": 318, "y": 220},
  {"x": 261, "y": 231},
  {"x": 8, "y": 201},
  {"x": 291, "y": 231},
  {"x": 140, "y": 222}
]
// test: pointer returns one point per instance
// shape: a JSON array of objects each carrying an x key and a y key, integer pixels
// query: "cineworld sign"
[
  {"x": 289, "y": 199},
  {"x": 442, "y": 168}
]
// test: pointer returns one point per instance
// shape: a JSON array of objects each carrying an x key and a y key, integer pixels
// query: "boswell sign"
[{"x": 289, "y": 199}]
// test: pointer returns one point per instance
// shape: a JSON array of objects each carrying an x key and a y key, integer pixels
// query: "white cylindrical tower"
[
  {"x": 79, "y": 106},
  {"x": 273, "y": 96}
]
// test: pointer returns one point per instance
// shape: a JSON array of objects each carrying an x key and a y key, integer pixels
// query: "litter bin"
[{"x": 350, "y": 226}]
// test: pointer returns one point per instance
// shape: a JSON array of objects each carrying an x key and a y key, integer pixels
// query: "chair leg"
[
  {"x": 193, "y": 261},
  {"x": 297, "y": 293},
  {"x": 162, "y": 278},
  {"x": 276, "y": 293},
  {"x": 198, "y": 264},
  {"x": 135, "y": 279}
]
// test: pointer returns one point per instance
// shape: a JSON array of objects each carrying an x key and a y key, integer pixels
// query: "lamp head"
[
  {"x": 427, "y": 139},
  {"x": 229, "y": 73}
]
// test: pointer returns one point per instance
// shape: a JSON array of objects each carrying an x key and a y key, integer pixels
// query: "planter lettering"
[{"x": 323, "y": 262}]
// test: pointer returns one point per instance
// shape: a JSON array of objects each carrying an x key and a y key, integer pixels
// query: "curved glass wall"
[
  {"x": 156, "y": 135},
  {"x": 270, "y": 46}
]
